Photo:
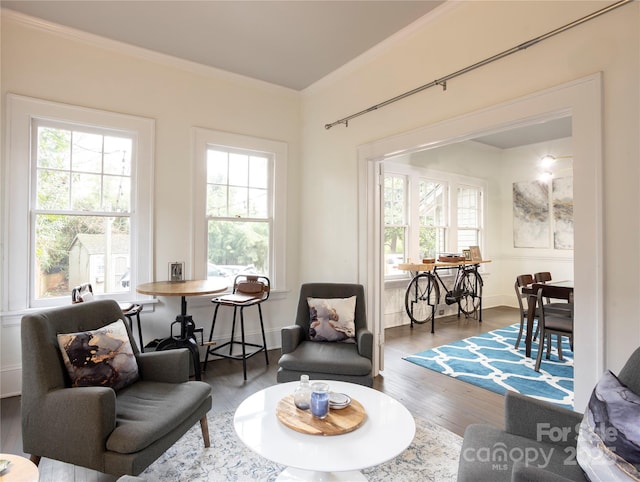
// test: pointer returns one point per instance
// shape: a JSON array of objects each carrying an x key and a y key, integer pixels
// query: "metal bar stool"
[
  {"x": 84, "y": 292},
  {"x": 248, "y": 290},
  {"x": 130, "y": 310}
]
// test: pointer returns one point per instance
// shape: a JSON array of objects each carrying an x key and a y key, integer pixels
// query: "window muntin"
[
  {"x": 444, "y": 213},
  {"x": 395, "y": 222},
  {"x": 469, "y": 216},
  {"x": 239, "y": 212},
  {"x": 432, "y": 213},
  {"x": 81, "y": 214}
]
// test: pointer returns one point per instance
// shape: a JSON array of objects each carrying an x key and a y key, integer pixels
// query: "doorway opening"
[{"x": 578, "y": 100}]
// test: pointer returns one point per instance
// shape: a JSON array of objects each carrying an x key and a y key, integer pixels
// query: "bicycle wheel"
[
  {"x": 470, "y": 292},
  {"x": 421, "y": 297}
]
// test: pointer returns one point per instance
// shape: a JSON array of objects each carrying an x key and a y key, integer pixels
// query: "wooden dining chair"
[
  {"x": 560, "y": 307},
  {"x": 553, "y": 322},
  {"x": 522, "y": 281}
]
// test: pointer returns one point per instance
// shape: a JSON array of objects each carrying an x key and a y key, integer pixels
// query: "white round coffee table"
[{"x": 388, "y": 430}]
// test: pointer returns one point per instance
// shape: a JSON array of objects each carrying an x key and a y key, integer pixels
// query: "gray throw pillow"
[{"x": 609, "y": 439}]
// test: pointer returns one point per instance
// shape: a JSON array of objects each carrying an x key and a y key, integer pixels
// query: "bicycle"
[{"x": 423, "y": 293}]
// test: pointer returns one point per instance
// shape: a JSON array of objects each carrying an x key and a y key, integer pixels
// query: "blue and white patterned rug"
[{"x": 490, "y": 361}]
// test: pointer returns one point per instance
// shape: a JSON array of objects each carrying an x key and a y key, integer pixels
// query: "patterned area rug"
[
  {"x": 432, "y": 456},
  {"x": 490, "y": 361}
]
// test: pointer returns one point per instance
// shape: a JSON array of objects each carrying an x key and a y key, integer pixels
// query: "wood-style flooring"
[{"x": 450, "y": 403}]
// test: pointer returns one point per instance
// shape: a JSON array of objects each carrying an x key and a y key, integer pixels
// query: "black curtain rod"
[{"x": 443, "y": 80}]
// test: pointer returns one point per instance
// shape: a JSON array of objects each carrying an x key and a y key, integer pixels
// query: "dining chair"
[
  {"x": 561, "y": 307},
  {"x": 522, "y": 281},
  {"x": 248, "y": 290},
  {"x": 553, "y": 323}
]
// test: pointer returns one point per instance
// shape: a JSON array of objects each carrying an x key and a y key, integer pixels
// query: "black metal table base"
[{"x": 186, "y": 339}]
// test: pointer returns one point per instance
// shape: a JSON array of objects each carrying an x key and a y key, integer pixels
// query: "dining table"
[
  {"x": 560, "y": 290},
  {"x": 186, "y": 338}
]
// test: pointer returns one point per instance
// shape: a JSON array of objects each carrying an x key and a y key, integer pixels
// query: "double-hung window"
[
  {"x": 432, "y": 212},
  {"x": 395, "y": 222},
  {"x": 469, "y": 202},
  {"x": 78, "y": 192},
  {"x": 428, "y": 213},
  {"x": 240, "y": 207},
  {"x": 239, "y": 211}
]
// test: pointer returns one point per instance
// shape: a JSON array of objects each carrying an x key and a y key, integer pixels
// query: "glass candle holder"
[{"x": 320, "y": 400}]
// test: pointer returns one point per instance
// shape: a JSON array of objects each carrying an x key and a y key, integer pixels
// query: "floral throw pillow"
[
  {"x": 332, "y": 319},
  {"x": 609, "y": 439},
  {"x": 102, "y": 357}
]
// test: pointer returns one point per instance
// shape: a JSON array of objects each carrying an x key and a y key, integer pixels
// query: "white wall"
[
  {"x": 323, "y": 238},
  {"x": 458, "y": 35},
  {"x": 53, "y": 64}
]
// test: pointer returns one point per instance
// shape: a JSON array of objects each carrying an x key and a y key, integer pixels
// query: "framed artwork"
[
  {"x": 176, "y": 271},
  {"x": 475, "y": 253},
  {"x": 467, "y": 254}
]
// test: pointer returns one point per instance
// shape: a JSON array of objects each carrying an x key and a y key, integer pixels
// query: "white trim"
[
  {"x": 581, "y": 99},
  {"x": 20, "y": 112},
  {"x": 202, "y": 138}
]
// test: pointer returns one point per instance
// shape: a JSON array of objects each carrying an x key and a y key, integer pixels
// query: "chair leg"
[
  {"x": 213, "y": 323},
  {"x": 35, "y": 459},
  {"x": 204, "y": 426},
  {"x": 520, "y": 331},
  {"x": 264, "y": 338},
  {"x": 244, "y": 348},
  {"x": 548, "y": 342},
  {"x": 233, "y": 329},
  {"x": 559, "y": 346},
  {"x": 540, "y": 350}
]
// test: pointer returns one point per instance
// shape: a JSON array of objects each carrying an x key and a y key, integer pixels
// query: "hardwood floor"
[{"x": 448, "y": 402}]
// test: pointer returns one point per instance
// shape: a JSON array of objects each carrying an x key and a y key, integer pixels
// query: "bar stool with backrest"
[
  {"x": 248, "y": 290},
  {"x": 522, "y": 281},
  {"x": 84, "y": 292}
]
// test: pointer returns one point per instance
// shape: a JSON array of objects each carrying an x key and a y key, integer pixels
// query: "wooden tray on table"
[{"x": 337, "y": 422}]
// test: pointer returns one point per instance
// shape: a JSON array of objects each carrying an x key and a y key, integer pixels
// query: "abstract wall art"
[
  {"x": 562, "y": 199},
  {"x": 531, "y": 215}
]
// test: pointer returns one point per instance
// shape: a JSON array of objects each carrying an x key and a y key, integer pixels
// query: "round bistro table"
[{"x": 183, "y": 289}]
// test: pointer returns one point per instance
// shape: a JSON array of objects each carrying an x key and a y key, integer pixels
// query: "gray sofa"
[
  {"x": 538, "y": 443},
  {"x": 347, "y": 362},
  {"x": 118, "y": 433}
]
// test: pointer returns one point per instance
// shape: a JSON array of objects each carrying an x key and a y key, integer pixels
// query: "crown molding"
[{"x": 123, "y": 48}]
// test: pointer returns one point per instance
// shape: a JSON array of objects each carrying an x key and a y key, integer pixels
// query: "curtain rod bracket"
[{"x": 443, "y": 83}]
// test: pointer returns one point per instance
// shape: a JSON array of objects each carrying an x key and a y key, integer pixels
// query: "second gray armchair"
[{"x": 327, "y": 360}]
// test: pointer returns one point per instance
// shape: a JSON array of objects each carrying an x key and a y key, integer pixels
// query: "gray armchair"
[
  {"x": 351, "y": 362},
  {"x": 112, "y": 432},
  {"x": 535, "y": 428}
]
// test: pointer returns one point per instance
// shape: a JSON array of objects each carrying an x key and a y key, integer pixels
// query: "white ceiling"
[{"x": 289, "y": 43}]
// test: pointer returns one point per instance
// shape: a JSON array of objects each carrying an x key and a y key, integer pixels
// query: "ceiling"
[
  {"x": 530, "y": 134},
  {"x": 290, "y": 43}
]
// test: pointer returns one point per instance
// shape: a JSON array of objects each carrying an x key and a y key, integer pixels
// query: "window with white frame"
[
  {"x": 239, "y": 211},
  {"x": 469, "y": 216},
  {"x": 243, "y": 229},
  {"x": 80, "y": 186},
  {"x": 395, "y": 222},
  {"x": 430, "y": 212}
]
